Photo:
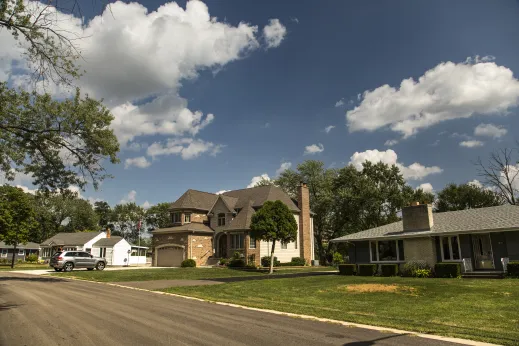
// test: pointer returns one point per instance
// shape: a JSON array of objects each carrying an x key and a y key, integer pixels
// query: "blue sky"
[{"x": 271, "y": 102}]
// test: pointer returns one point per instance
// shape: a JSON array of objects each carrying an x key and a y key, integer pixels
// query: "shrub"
[
  {"x": 422, "y": 273},
  {"x": 513, "y": 269},
  {"x": 223, "y": 261},
  {"x": 447, "y": 270},
  {"x": 298, "y": 261},
  {"x": 347, "y": 269},
  {"x": 188, "y": 263},
  {"x": 19, "y": 261},
  {"x": 411, "y": 267},
  {"x": 337, "y": 258},
  {"x": 236, "y": 263},
  {"x": 389, "y": 269},
  {"x": 367, "y": 269},
  {"x": 265, "y": 261},
  {"x": 32, "y": 258}
]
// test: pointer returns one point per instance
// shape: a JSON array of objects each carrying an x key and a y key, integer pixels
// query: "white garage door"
[{"x": 170, "y": 256}]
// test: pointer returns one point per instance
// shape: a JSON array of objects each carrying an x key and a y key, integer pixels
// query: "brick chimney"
[
  {"x": 417, "y": 217},
  {"x": 305, "y": 236},
  {"x": 108, "y": 232}
]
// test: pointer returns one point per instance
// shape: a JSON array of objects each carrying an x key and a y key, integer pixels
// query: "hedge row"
[{"x": 513, "y": 269}]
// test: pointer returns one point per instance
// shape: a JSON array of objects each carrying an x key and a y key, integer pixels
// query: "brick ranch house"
[
  {"x": 206, "y": 227},
  {"x": 481, "y": 240}
]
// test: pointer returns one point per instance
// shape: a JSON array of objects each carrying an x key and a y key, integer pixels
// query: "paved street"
[{"x": 38, "y": 310}]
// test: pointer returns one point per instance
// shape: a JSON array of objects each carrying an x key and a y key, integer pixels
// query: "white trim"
[
  {"x": 252, "y": 238},
  {"x": 22, "y": 252},
  {"x": 450, "y": 248},
  {"x": 185, "y": 217},
  {"x": 376, "y": 246},
  {"x": 3, "y": 253}
]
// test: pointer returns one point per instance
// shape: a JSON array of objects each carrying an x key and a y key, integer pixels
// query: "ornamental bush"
[
  {"x": 188, "y": 263},
  {"x": 367, "y": 269},
  {"x": 409, "y": 269},
  {"x": 236, "y": 263},
  {"x": 298, "y": 261},
  {"x": 513, "y": 269},
  {"x": 347, "y": 269},
  {"x": 389, "y": 269},
  {"x": 447, "y": 270},
  {"x": 265, "y": 261},
  {"x": 32, "y": 258}
]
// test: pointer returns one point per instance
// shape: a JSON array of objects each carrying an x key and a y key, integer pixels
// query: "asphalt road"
[{"x": 49, "y": 311}]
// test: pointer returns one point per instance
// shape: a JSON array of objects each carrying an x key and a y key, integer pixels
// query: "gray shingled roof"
[
  {"x": 260, "y": 195},
  {"x": 78, "y": 238},
  {"x": 29, "y": 245},
  {"x": 505, "y": 217},
  {"x": 188, "y": 227},
  {"x": 108, "y": 241},
  {"x": 193, "y": 199},
  {"x": 242, "y": 220}
]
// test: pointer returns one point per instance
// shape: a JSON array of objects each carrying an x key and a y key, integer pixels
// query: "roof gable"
[
  {"x": 193, "y": 199},
  {"x": 260, "y": 195}
]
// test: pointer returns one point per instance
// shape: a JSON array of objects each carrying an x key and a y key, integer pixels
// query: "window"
[
  {"x": 252, "y": 243},
  {"x": 21, "y": 252},
  {"x": 450, "y": 248},
  {"x": 237, "y": 241},
  {"x": 221, "y": 219},
  {"x": 102, "y": 252},
  {"x": 284, "y": 246},
  {"x": 3, "y": 253},
  {"x": 187, "y": 218},
  {"x": 175, "y": 217},
  {"x": 88, "y": 250},
  {"x": 387, "y": 251}
]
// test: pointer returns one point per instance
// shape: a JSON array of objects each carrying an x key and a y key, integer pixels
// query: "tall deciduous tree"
[
  {"x": 501, "y": 173},
  {"x": 59, "y": 143},
  {"x": 104, "y": 212},
  {"x": 158, "y": 216},
  {"x": 274, "y": 222},
  {"x": 16, "y": 217},
  {"x": 126, "y": 218},
  {"x": 466, "y": 196}
]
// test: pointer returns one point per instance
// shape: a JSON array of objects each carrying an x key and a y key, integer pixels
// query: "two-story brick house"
[{"x": 207, "y": 226}]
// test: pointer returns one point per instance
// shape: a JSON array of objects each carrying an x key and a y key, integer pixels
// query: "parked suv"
[{"x": 68, "y": 260}]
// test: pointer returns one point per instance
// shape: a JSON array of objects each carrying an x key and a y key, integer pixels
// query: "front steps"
[{"x": 483, "y": 275}]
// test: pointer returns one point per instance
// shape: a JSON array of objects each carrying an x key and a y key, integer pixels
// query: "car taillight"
[{"x": 60, "y": 258}]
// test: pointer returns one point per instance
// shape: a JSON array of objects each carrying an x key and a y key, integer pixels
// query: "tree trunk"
[
  {"x": 272, "y": 257},
  {"x": 14, "y": 254}
]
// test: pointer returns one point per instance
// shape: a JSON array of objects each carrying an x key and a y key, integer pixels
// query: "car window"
[
  {"x": 84, "y": 254},
  {"x": 71, "y": 254},
  {"x": 57, "y": 254}
]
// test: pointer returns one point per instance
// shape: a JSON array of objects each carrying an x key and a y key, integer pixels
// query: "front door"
[
  {"x": 222, "y": 246},
  {"x": 483, "y": 256}
]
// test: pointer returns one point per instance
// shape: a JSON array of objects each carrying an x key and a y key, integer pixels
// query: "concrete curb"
[{"x": 306, "y": 317}]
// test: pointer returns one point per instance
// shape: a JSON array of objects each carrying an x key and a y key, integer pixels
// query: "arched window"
[{"x": 221, "y": 219}]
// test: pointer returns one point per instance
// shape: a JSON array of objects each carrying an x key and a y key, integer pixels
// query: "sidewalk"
[{"x": 50, "y": 270}]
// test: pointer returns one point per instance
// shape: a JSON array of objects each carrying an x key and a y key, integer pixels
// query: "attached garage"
[{"x": 169, "y": 256}]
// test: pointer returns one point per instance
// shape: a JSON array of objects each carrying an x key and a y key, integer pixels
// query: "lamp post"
[{"x": 128, "y": 263}]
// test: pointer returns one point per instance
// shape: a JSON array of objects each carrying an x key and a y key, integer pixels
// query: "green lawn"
[
  {"x": 23, "y": 266},
  {"x": 173, "y": 274},
  {"x": 485, "y": 310}
]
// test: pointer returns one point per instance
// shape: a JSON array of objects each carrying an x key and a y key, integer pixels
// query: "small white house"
[
  {"x": 81, "y": 241},
  {"x": 118, "y": 251}
]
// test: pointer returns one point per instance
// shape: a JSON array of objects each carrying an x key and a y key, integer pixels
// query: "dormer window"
[
  {"x": 175, "y": 217},
  {"x": 221, "y": 219},
  {"x": 187, "y": 218}
]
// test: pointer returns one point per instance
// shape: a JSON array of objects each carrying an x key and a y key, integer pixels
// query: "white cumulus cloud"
[
  {"x": 187, "y": 148},
  {"x": 490, "y": 130},
  {"x": 415, "y": 171},
  {"x": 471, "y": 144},
  {"x": 140, "y": 162},
  {"x": 274, "y": 32},
  {"x": 257, "y": 179},
  {"x": 220, "y": 192},
  {"x": 447, "y": 91},
  {"x": 339, "y": 103},
  {"x": 426, "y": 187},
  {"x": 284, "y": 166},
  {"x": 327, "y": 129},
  {"x": 314, "y": 149},
  {"x": 129, "y": 198}
]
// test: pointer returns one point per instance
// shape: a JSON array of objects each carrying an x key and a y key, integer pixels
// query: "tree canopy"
[
  {"x": 274, "y": 222},
  {"x": 466, "y": 196},
  {"x": 158, "y": 216}
]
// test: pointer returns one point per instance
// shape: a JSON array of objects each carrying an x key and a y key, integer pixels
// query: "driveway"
[{"x": 54, "y": 311}]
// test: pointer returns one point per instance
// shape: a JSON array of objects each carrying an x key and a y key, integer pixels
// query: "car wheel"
[
  {"x": 100, "y": 266},
  {"x": 68, "y": 267},
  {"x": 90, "y": 268},
  {"x": 56, "y": 269}
]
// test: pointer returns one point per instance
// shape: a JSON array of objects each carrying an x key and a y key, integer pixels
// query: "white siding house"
[
  {"x": 283, "y": 253},
  {"x": 118, "y": 251}
]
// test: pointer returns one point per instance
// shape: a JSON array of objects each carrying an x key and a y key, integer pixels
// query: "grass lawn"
[
  {"x": 23, "y": 266},
  {"x": 484, "y": 310},
  {"x": 173, "y": 274}
]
